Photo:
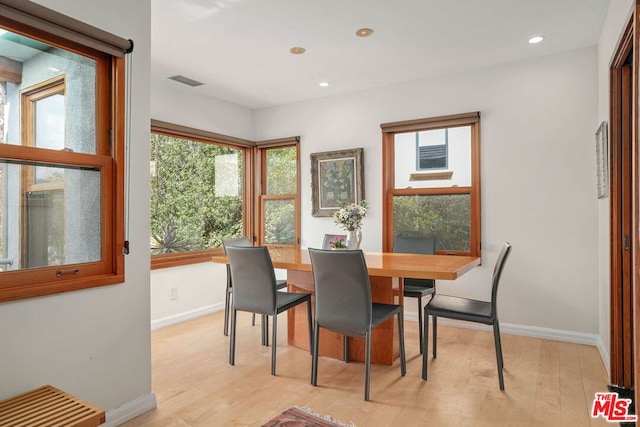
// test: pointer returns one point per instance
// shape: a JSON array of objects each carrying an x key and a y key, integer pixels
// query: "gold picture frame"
[{"x": 337, "y": 178}]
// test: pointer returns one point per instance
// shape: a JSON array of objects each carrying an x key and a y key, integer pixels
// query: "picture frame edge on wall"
[
  {"x": 317, "y": 187},
  {"x": 602, "y": 160}
]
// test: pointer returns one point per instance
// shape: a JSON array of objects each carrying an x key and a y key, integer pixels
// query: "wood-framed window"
[
  {"x": 445, "y": 203},
  {"x": 43, "y": 212},
  {"x": 206, "y": 187},
  {"x": 278, "y": 219},
  {"x": 201, "y": 193},
  {"x": 61, "y": 159}
]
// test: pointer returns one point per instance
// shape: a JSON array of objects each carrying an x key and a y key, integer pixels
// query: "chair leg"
[
  {"x": 500, "y": 344},
  {"x": 345, "y": 348},
  {"x": 232, "y": 343},
  {"x": 435, "y": 336},
  {"x": 420, "y": 322},
  {"x": 253, "y": 320},
  {"x": 425, "y": 341},
  {"x": 367, "y": 365},
  {"x": 310, "y": 326},
  {"x": 265, "y": 330},
  {"x": 403, "y": 356},
  {"x": 314, "y": 357},
  {"x": 496, "y": 339},
  {"x": 274, "y": 337},
  {"x": 227, "y": 304}
]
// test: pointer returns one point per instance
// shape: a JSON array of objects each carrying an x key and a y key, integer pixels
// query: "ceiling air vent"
[{"x": 186, "y": 80}]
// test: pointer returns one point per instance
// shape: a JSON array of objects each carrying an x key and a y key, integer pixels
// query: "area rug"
[{"x": 304, "y": 417}]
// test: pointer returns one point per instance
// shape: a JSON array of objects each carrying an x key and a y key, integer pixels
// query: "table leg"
[{"x": 384, "y": 348}]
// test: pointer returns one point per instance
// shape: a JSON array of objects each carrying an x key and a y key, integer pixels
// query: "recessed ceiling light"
[
  {"x": 364, "y": 32},
  {"x": 297, "y": 50},
  {"x": 536, "y": 39},
  {"x": 323, "y": 84}
]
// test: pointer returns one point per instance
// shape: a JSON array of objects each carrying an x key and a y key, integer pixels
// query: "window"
[
  {"x": 43, "y": 226},
  {"x": 279, "y": 223},
  {"x": 432, "y": 148},
  {"x": 61, "y": 166},
  {"x": 204, "y": 187},
  {"x": 433, "y": 190},
  {"x": 199, "y": 193}
]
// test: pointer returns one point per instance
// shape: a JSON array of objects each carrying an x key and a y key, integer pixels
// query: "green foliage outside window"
[
  {"x": 279, "y": 222},
  {"x": 444, "y": 216},
  {"x": 186, "y": 213},
  {"x": 279, "y": 215},
  {"x": 282, "y": 170}
]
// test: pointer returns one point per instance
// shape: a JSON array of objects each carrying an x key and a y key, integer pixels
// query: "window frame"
[
  {"x": 261, "y": 149},
  {"x": 205, "y": 137},
  {"x": 28, "y": 98},
  {"x": 389, "y": 130},
  {"x": 108, "y": 159}
]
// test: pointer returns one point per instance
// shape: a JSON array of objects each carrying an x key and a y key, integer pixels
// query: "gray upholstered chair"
[
  {"x": 254, "y": 291},
  {"x": 469, "y": 310},
  {"x": 329, "y": 237},
  {"x": 417, "y": 288},
  {"x": 343, "y": 305},
  {"x": 280, "y": 284}
]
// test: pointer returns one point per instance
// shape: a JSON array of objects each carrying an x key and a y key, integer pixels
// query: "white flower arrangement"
[{"x": 350, "y": 217}]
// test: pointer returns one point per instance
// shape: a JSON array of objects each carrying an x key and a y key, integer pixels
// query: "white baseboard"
[
  {"x": 187, "y": 315},
  {"x": 526, "y": 331},
  {"x": 550, "y": 334},
  {"x": 130, "y": 410},
  {"x": 604, "y": 354}
]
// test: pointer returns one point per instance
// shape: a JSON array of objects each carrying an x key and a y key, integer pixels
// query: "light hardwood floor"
[{"x": 547, "y": 383}]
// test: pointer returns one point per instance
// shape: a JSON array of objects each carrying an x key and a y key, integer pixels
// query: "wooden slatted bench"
[{"x": 48, "y": 406}]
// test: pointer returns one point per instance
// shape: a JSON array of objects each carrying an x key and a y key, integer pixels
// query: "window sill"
[
  {"x": 430, "y": 176},
  {"x": 15, "y": 293},
  {"x": 183, "y": 258}
]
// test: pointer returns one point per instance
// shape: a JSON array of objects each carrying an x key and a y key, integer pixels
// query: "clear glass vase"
[{"x": 354, "y": 237}]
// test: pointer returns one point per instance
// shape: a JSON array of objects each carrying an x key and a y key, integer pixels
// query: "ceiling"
[{"x": 239, "y": 49}]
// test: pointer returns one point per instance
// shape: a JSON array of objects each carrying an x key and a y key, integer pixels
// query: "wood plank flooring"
[{"x": 547, "y": 383}]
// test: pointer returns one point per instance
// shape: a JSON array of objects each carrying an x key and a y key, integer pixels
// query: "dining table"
[{"x": 386, "y": 271}]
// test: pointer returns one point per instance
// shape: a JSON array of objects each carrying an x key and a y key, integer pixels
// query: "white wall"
[
  {"x": 95, "y": 343},
  {"x": 179, "y": 104},
  {"x": 615, "y": 23},
  {"x": 200, "y": 287},
  {"x": 538, "y": 119}
]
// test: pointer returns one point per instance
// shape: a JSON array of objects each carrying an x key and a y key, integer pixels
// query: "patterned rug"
[{"x": 304, "y": 417}]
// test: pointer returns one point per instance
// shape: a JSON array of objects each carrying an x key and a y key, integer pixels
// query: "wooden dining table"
[{"x": 386, "y": 270}]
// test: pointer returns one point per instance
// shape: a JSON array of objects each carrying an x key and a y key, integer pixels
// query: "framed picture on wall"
[
  {"x": 337, "y": 178},
  {"x": 602, "y": 160}
]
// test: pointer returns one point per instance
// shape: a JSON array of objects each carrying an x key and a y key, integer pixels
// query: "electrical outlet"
[{"x": 173, "y": 293}]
